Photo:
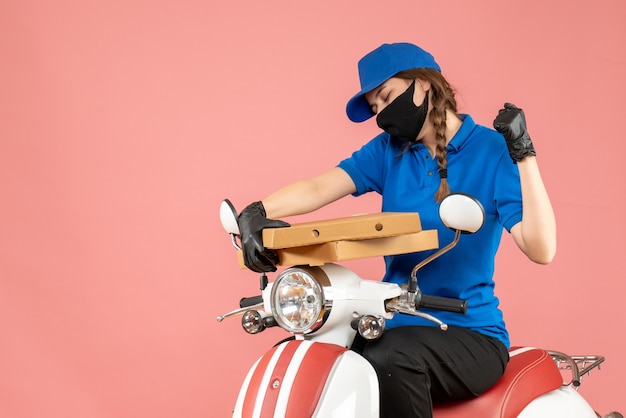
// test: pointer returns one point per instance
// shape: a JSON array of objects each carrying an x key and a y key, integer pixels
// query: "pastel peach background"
[{"x": 123, "y": 123}]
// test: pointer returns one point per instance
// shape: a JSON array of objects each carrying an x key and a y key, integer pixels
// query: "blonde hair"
[{"x": 442, "y": 99}]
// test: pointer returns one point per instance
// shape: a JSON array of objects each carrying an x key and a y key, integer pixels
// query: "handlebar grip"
[
  {"x": 251, "y": 301},
  {"x": 443, "y": 304}
]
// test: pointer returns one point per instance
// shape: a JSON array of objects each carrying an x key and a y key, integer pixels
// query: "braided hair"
[{"x": 442, "y": 99}]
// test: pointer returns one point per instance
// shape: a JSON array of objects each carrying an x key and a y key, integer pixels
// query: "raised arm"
[{"x": 535, "y": 235}]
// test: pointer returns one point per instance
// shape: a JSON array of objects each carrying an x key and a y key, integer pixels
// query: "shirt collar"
[{"x": 459, "y": 138}]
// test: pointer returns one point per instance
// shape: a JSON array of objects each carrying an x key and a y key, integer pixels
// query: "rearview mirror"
[
  {"x": 462, "y": 212},
  {"x": 228, "y": 217}
]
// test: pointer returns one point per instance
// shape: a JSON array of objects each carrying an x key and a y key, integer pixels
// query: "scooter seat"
[{"x": 531, "y": 372}]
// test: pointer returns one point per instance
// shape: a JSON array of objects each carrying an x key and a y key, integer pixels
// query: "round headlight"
[{"x": 298, "y": 300}]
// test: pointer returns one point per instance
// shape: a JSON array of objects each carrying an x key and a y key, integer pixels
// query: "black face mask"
[{"x": 401, "y": 118}]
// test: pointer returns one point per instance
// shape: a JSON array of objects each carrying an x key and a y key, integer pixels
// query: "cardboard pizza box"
[
  {"x": 349, "y": 238},
  {"x": 330, "y": 252},
  {"x": 358, "y": 227}
]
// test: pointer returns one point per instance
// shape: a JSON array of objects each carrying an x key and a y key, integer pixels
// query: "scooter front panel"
[
  {"x": 288, "y": 380},
  {"x": 351, "y": 390},
  {"x": 310, "y": 379},
  {"x": 247, "y": 403}
]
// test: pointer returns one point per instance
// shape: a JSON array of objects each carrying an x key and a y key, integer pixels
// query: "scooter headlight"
[{"x": 298, "y": 302}]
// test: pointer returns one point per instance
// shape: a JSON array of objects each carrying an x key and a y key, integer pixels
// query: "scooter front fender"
[{"x": 309, "y": 379}]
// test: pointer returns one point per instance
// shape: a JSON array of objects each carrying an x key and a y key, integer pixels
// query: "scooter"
[{"x": 323, "y": 304}]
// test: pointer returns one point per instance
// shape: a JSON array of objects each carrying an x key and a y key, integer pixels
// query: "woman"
[{"x": 425, "y": 151}]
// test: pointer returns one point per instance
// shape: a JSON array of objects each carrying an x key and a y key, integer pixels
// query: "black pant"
[{"x": 419, "y": 366}]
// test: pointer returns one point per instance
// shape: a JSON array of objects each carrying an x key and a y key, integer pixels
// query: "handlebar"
[
  {"x": 441, "y": 304},
  {"x": 251, "y": 301}
]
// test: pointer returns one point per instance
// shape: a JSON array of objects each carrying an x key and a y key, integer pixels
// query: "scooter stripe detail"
[
  {"x": 274, "y": 380},
  {"x": 289, "y": 380},
  {"x": 290, "y": 376},
  {"x": 311, "y": 378},
  {"x": 255, "y": 390}
]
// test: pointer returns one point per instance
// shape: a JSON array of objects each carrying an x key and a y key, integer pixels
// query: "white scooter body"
[
  {"x": 351, "y": 390},
  {"x": 563, "y": 402},
  {"x": 316, "y": 375},
  {"x": 341, "y": 384}
]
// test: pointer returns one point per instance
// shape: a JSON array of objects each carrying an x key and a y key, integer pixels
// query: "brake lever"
[
  {"x": 396, "y": 305},
  {"x": 238, "y": 311}
]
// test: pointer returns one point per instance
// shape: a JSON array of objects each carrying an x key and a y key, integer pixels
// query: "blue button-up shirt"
[{"x": 478, "y": 164}]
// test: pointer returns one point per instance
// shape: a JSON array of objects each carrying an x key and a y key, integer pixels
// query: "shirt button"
[{"x": 430, "y": 173}]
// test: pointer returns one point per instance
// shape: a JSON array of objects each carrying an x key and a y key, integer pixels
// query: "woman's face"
[{"x": 381, "y": 96}]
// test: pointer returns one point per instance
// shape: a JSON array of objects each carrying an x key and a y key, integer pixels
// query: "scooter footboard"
[{"x": 307, "y": 379}]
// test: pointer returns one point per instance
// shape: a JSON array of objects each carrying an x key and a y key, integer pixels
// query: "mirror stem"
[
  {"x": 413, "y": 280},
  {"x": 233, "y": 240}
]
